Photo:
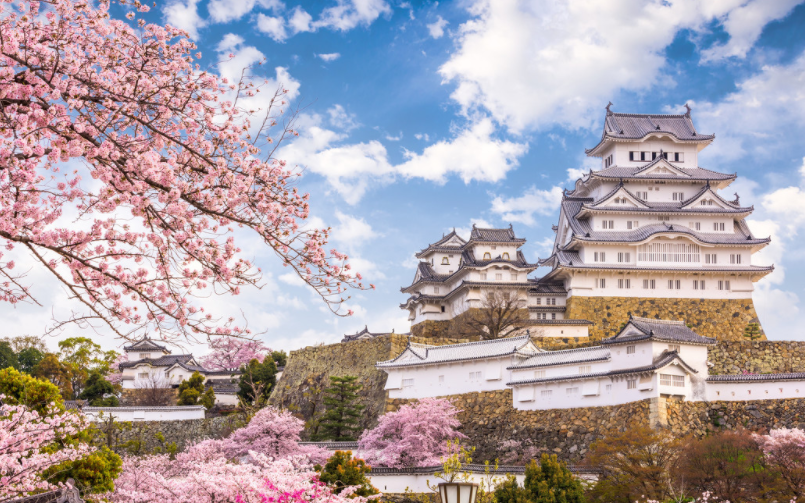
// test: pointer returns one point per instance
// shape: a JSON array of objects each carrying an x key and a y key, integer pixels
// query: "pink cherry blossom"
[
  {"x": 176, "y": 169},
  {"x": 415, "y": 435},
  {"x": 231, "y": 353}
]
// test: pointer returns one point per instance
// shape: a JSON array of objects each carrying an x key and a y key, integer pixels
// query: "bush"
[
  {"x": 22, "y": 389},
  {"x": 342, "y": 470},
  {"x": 95, "y": 390},
  {"x": 190, "y": 390},
  {"x": 550, "y": 481}
]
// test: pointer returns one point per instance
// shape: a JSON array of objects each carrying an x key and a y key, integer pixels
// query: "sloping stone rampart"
[
  {"x": 700, "y": 418},
  {"x": 723, "y": 319},
  {"x": 758, "y": 357},
  {"x": 141, "y": 436}
]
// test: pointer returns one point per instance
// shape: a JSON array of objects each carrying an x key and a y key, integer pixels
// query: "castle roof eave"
[{"x": 596, "y": 151}]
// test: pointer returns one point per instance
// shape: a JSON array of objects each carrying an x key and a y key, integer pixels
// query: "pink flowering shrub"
[
  {"x": 23, "y": 435},
  {"x": 174, "y": 153},
  {"x": 415, "y": 435},
  {"x": 785, "y": 451},
  {"x": 116, "y": 376},
  {"x": 230, "y": 353}
]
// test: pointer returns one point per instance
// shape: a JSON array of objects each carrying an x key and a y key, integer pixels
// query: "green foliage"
[
  {"x": 20, "y": 342},
  {"x": 8, "y": 358},
  {"x": 29, "y": 358},
  {"x": 95, "y": 473},
  {"x": 342, "y": 470},
  {"x": 550, "y": 481},
  {"x": 190, "y": 390},
  {"x": 340, "y": 421},
  {"x": 96, "y": 387},
  {"x": 752, "y": 331},
  {"x": 257, "y": 381},
  {"x": 208, "y": 399},
  {"x": 23, "y": 389},
  {"x": 53, "y": 370},
  {"x": 280, "y": 357},
  {"x": 82, "y": 356}
]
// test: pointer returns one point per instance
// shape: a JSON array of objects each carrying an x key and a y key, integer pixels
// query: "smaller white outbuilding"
[{"x": 649, "y": 358}]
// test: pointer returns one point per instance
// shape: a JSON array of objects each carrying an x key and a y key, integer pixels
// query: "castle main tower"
[{"x": 650, "y": 235}]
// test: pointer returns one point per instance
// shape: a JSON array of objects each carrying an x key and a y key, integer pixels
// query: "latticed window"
[
  {"x": 672, "y": 380},
  {"x": 668, "y": 252},
  {"x": 407, "y": 383}
]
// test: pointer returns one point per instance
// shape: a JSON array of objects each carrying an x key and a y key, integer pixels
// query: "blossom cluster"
[{"x": 176, "y": 169}]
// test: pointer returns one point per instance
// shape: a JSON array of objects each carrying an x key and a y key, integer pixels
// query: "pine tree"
[
  {"x": 752, "y": 331},
  {"x": 550, "y": 481},
  {"x": 340, "y": 421},
  {"x": 191, "y": 390}
]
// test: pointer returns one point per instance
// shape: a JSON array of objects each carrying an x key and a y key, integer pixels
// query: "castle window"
[
  {"x": 710, "y": 258},
  {"x": 445, "y": 261},
  {"x": 608, "y": 224},
  {"x": 499, "y": 276},
  {"x": 546, "y": 393},
  {"x": 674, "y": 284},
  {"x": 553, "y": 301},
  {"x": 735, "y": 258},
  {"x": 487, "y": 256},
  {"x": 573, "y": 391},
  {"x": 475, "y": 375},
  {"x": 145, "y": 355},
  {"x": 649, "y": 284},
  {"x": 538, "y": 374},
  {"x": 679, "y": 156},
  {"x": 505, "y": 255},
  {"x": 630, "y": 350},
  {"x": 718, "y": 226},
  {"x": 643, "y": 195},
  {"x": 632, "y": 224},
  {"x": 407, "y": 383},
  {"x": 143, "y": 375},
  {"x": 514, "y": 276},
  {"x": 599, "y": 257},
  {"x": 539, "y": 301},
  {"x": 668, "y": 252},
  {"x": 634, "y": 156},
  {"x": 698, "y": 284},
  {"x": 483, "y": 275},
  {"x": 624, "y": 257},
  {"x": 441, "y": 378},
  {"x": 723, "y": 285},
  {"x": 442, "y": 308},
  {"x": 435, "y": 289},
  {"x": 553, "y": 316},
  {"x": 608, "y": 388},
  {"x": 608, "y": 161},
  {"x": 602, "y": 283},
  {"x": 679, "y": 196},
  {"x": 631, "y": 383},
  {"x": 674, "y": 347},
  {"x": 624, "y": 283},
  {"x": 585, "y": 369},
  {"x": 672, "y": 380}
]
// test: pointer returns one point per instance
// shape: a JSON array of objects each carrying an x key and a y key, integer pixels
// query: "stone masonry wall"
[
  {"x": 699, "y": 418},
  {"x": 123, "y": 434},
  {"x": 489, "y": 419},
  {"x": 758, "y": 357},
  {"x": 722, "y": 319}
]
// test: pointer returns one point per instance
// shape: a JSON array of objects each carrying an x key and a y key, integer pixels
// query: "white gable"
[
  {"x": 663, "y": 167},
  {"x": 708, "y": 199}
]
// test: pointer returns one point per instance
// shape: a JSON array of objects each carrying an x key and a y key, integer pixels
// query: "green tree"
[
  {"x": 208, "y": 399},
  {"x": 8, "y": 358},
  {"x": 29, "y": 358},
  {"x": 83, "y": 356},
  {"x": 23, "y": 389},
  {"x": 257, "y": 380},
  {"x": 342, "y": 471},
  {"x": 55, "y": 371},
  {"x": 96, "y": 388},
  {"x": 190, "y": 390},
  {"x": 21, "y": 342},
  {"x": 280, "y": 357},
  {"x": 752, "y": 331},
  {"x": 340, "y": 421},
  {"x": 548, "y": 481}
]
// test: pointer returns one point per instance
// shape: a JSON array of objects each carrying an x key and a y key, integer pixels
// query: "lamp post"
[{"x": 458, "y": 492}]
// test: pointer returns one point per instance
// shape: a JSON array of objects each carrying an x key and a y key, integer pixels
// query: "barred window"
[
  {"x": 668, "y": 252},
  {"x": 631, "y": 383},
  {"x": 407, "y": 383}
]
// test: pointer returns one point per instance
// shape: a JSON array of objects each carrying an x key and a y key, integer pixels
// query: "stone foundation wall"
[
  {"x": 719, "y": 318},
  {"x": 699, "y": 418},
  {"x": 758, "y": 357},
  {"x": 489, "y": 420},
  {"x": 141, "y": 436}
]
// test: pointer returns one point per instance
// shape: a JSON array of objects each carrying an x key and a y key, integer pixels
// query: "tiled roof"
[
  {"x": 495, "y": 235},
  {"x": 620, "y": 126},
  {"x": 334, "y": 446},
  {"x": 162, "y": 361},
  {"x": 631, "y": 172},
  {"x": 664, "y": 207},
  {"x": 426, "y": 354},
  {"x": 583, "y": 231},
  {"x": 794, "y": 376},
  {"x": 564, "y": 357},
  {"x": 469, "y": 260},
  {"x": 548, "y": 289},
  {"x": 223, "y": 387},
  {"x": 365, "y": 334},
  {"x": 663, "y": 360},
  {"x": 472, "y": 468},
  {"x": 441, "y": 246},
  {"x": 145, "y": 345},
  {"x": 661, "y": 330},
  {"x": 547, "y": 309},
  {"x": 537, "y": 323}
]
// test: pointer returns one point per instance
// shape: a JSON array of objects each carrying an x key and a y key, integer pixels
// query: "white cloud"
[
  {"x": 422, "y": 136},
  {"x": 291, "y": 278},
  {"x": 744, "y": 26},
  {"x": 394, "y": 138},
  {"x": 472, "y": 154},
  {"x": 523, "y": 208},
  {"x": 329, "y": 57},
  {"x": 753, "y": 118},
  {"x": 184, "y": 14},
  {"x": 436, "y": 29},
  {"x": 224, "y": 11},
  {"x": 348, "y": 14},
  {"x": 543, "y": 60},
  {"x": 274, "y": 27},
  {"x": 341, "y": 119},
  {"x": 300, "y": 20},
  {"x": 352, "y": 231}
]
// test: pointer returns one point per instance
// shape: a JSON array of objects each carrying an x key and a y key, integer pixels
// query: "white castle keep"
[{"x": 649, "y": 224}]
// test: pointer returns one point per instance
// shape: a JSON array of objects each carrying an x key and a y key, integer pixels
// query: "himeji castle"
[{"x": 648, "y": 234}]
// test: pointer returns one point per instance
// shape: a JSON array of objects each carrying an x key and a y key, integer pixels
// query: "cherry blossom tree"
[
  {"x": 178, "y": 163},
  {"x": 116, "y": 376},
  {"x": 415, "y": 435},
  {"x": 230, "y": 353},
  {"x": 24, "y": 437},
  {"x": 785, "y": 451}
]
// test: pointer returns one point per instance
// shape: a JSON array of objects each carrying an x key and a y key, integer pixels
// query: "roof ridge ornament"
[
  {"x": 609, "y": 112},
  {"x": 687, "y": 111}
]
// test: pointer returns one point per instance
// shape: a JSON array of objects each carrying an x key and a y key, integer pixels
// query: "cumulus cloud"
[
  {"x": 332, "y": 56},
  {"x": 347, "y": 14},
  {"x": 473, "y": 154},
  {"x": 300, "y": 20},
  {"x": 544, "y": 60},
  {"x": 524, "y": 208},
  {"x": 436, "y": 29},
  {"x": 184, "y": 14},
  {"x": 224, "y": 11},
  {"x": 274, "y": 27}
]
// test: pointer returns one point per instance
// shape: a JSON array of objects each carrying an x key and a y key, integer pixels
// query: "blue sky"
[{"x": 418, "y": 117}]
